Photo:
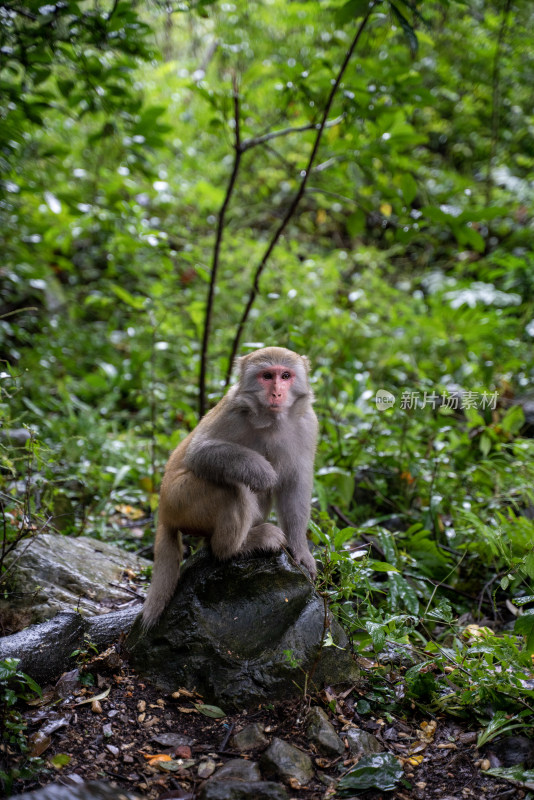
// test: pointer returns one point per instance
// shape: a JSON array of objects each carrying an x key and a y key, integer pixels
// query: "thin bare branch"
[
  {"x": 298, "y": 195},
  {"x": 312, "y": 126},
  {"x": 238, "y": 152}
]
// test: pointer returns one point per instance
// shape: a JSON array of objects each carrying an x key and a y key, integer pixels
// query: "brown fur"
[{"x": 221, "y": 480}]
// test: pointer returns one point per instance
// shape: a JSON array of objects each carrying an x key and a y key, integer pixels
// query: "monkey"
[{"x": 256, "y": 446}]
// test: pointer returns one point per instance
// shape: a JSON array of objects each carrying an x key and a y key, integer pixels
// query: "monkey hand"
[
  {"x": 305, "y": 558},
  {"x": 262, "y": 477}
]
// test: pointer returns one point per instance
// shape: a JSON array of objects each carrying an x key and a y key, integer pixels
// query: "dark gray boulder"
[
  {"x": 230, "y": 627},
  {"x": 94, "y": 790}
]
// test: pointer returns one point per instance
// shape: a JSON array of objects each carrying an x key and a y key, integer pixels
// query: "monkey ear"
[
  {"x": 306, "y": 362},
  {"x": 239, "y": 364}
]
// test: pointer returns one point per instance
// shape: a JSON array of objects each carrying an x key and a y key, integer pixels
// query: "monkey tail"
[{"x": 165, "y": 575}]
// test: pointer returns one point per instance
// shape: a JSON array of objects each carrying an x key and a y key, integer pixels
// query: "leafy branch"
[{"x": 298, "y": 195}]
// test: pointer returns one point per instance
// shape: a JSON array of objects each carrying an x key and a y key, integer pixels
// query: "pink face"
[{"x": 276, "y": 382}]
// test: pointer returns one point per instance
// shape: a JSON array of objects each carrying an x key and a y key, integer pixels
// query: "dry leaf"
[{"x": 96, "y": 697}]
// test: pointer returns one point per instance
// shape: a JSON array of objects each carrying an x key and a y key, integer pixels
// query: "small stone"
[
  {"x": 237, "y": 769},
  {"x": 323, "y": 734},
  {"x": 112, "y": 749},
  {"x": 469, "y": 737},
  {"x": 172, "y": 740},
  {"x": 287, "y": 762},
  {"x": 141, "y": 706},
  {"x": 206, "y": 768},
  {"x": 237, "y": 790},
  {"x": 485, "y": 764},
  {"x": 362, "y": 743},
  {"x": 250, "y": 738}
]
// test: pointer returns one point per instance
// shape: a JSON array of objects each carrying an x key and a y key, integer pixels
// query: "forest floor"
[{"x": 115, "y": 739}]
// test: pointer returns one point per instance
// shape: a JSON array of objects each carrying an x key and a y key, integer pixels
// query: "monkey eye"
[
  {"x": 267, "y": 376},
  {"x": 286, "y": 376}
]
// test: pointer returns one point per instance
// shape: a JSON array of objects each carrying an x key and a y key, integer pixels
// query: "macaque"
[{"x": 257, "y": 445}]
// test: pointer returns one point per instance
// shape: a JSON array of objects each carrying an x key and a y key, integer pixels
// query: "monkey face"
[{"x": 276, "y": 383}]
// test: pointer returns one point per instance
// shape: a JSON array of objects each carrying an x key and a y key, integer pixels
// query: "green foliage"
[
  {"x": 406, "y": 269},
  {"x": 15, "y": 685}
]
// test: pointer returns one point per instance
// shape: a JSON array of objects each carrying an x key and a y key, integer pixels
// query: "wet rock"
[
  {"x": 285, "y": 761},
  {"x": 44, "y": 650},
  {"x": 322, "y": 733},
  {"x": 58, "y": 573},
  {"x": 237, "y": 769},
  {"x": 251, "y": 737},
  {"x": 511, "y": 751},
  {"x": 94, "y": 790},
  {"x": 15, "y": 436},
  {"x": 237, "y": 790},
  {"x": 362, "y": 743},
  {"x": 205, "y": 638}
]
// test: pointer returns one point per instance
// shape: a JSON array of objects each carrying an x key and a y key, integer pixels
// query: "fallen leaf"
[
  {"x": 60, "y": 760},
  {"x": 39, "y": 742},
  {"x": 414, "y": 761},
  {"x": 175, "y": 765},
  {"x": 130, "y": 511},
  {"x": 95, "y": 697},
  {"x": 210, "y": 711},
  {"x": 154, "y": 757}
]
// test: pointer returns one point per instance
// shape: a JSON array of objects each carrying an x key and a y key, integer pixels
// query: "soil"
[{"x": 112, "y": 739}]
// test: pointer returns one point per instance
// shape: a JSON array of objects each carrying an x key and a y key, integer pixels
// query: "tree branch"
[
  {"x": 298, "y": 195},
  {"x": 238, "y": 152},
  {"x": 312, "y": 126},
  {"x": 496, "y": 96}
]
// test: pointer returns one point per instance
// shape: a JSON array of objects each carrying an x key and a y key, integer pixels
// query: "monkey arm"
[
  {"x": 293, "y": 500},
  {"x": 229, "y": 463}
]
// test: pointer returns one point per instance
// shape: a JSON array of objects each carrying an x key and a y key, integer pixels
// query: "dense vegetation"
[{"x": 375, "y": 214}]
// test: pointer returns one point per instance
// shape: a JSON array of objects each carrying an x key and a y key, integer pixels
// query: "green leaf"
[
  {"x": 377, "y": 633},
  {"x": 123, "y": 294},
  {"x": 408, "y": 187},
  {"x": 60, "y": 759},
  {"x": 485, "y": 444},
  {"x": 8, "y": 668},
  {"x": 351, "y": 10},
  {"x": 528, "y": 564},
  {"x": 524, "y": 626},
  {"x": 382, "y": 566},
  {"x": 210, "y": 711},
  {"x": 516, "y": 775},
  {"x": 407, "y": 28},
  {"x": 356, "y": 222},
  {"x": 380, "y": 771},
  {"x": 402, "y": 593},
  {"x": 513, "y": 420}
]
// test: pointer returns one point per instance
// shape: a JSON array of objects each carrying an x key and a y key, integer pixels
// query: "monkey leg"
[
  {"x": 264, "y": 537},
  {"x": 240, "y": 529},
  {"x": 167, "y": 558}
]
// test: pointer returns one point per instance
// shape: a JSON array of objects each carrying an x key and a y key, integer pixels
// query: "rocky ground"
[{"x": 122, "y": 731}]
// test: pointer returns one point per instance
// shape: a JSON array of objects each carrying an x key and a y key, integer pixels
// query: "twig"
[
  {"x": 300, "y": 191},
  {"x": 226, "y": 738},
  {"x": 496, "y": 95},
  {"x": 312, "y": 126},
  {"x": 238, "y": 152}
]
